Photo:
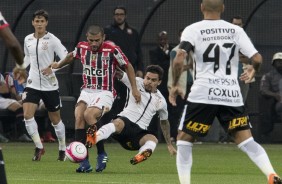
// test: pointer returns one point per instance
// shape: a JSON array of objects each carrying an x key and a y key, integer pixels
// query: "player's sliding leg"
[{"x": 148, "y": 144}]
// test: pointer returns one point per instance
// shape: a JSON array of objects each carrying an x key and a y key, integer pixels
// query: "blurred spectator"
[
  {"x": 16, "y": 90},
  {"x": 186, "y": 81},
  {"x": 271, "y": 91},
  {"x": 127, "y": 38},
  {"x": 14, "y": 106}
]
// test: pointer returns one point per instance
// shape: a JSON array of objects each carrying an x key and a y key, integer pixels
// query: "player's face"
[
  {"x": 151, "y": 82},
  {"x": 95, "y": 41},
  {"x": 238, "y": 22},
  {"x": 39, "y": 23},
  {"x": 119, "y": 16}
]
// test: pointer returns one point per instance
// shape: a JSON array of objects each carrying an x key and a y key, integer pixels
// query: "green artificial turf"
[{"x": 212, "y": 164}]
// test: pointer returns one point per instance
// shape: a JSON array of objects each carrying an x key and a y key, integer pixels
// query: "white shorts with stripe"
[{"x": 96, "y": 98}]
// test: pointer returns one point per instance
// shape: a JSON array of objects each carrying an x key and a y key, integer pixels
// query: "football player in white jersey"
[
  {"x": 216, "y": 92},
  {"x": 40, "y": 48},
  {"x": 129, "y": 128}
]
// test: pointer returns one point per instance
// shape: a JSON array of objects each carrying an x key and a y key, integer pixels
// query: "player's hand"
[
  {"x": 173, "y": 93},
  {"x": 55, "y": 65},
  {"x": 137, "y": 95},
  {"x": 20, "y": 75},
  {"x": 47, "y": 71},
  {"x": 171, "y": 149},
  {"x": 248, "y": 75}
]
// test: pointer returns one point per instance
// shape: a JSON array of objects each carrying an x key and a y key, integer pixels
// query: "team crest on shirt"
[
  {"x": 29, "y": 81},
  {"x": 44, "y": 45},
  {"x": 93, "y": 57}
]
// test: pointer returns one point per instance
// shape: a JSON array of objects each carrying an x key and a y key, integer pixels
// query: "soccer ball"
[{"x": 76, "y": 152}]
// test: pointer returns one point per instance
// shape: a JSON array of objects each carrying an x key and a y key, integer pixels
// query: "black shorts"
[
  {"x": 51, "y": 99},
  {"x": 199, "y": 118},
  {"x": 130, "y": 135}
]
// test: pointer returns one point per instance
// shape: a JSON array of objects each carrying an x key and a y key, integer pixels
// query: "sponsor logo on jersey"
[
  {"x": 217, "y": 31},
  {"x": 90, "y": 71},
  {"x": 105, "y": 50},
  {"x": 223, "y": 92},
  {"x": 198, "y": 127},
  {"x": 46, "y": 38},
  {"x": 238, "y": 122}
]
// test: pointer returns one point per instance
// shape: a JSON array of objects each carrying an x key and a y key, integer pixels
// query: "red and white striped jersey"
[{"x": 99, "y": 67}]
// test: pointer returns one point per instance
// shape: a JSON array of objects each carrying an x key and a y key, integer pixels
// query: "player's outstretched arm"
[
  {"x": 131, "y": 76},
  {"x": 67, "y": 60},
  {"x": 166, "y": 132}
]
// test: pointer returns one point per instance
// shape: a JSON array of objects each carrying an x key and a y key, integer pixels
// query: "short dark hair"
[
  {"x": 95, "y": 29},
  {"x": 120, "y": 7},
  {"x": 236, "y": 17},
  {"x": 155, "y": 69},
  {"x": 40, "y": 13}
]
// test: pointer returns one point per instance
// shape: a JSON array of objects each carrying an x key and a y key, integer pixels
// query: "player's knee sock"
[
  {"x": 258, "y": 155},
  {"x": 61, "y": 135},
  {"x": 184, "y": 161},
  {"x": 148, "y": 145},
  {"x": 3, "y": 179},
  {"x": 32, "y": 130},
  {"x": 105, "y": 131}
]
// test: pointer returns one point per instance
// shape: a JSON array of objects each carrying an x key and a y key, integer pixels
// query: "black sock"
[
  {"x": 80, "y": 136},
  {"x": 3, "y": 179},
  {"x": 100, "y": 147}
]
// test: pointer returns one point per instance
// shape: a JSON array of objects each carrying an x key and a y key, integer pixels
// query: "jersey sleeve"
[
  {"x": 120, "y": 57},
  {"x": 246, "y": 46},
  {"x": 188, "y": 36},
  {"x": 125, "y": 80},
  {"x": 60, "y": 49},
  {"x": 163, "y": 113},
  {"x": 26, "y": 55},
  {"x": 76, "y": 53}
]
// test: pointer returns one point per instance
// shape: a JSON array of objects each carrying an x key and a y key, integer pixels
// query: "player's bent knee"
[{"x": 119, "y": 125}]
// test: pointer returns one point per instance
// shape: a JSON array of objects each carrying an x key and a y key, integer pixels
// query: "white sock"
[
  {"x": 32, "y": 130},
  {"x": 61, "y": 135},
  {"x": 148, "y": 145},
  {"x": 258, "y": 155},
  {"x": 184, "y": 161},
  {"x": 105, "y": 131}
]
